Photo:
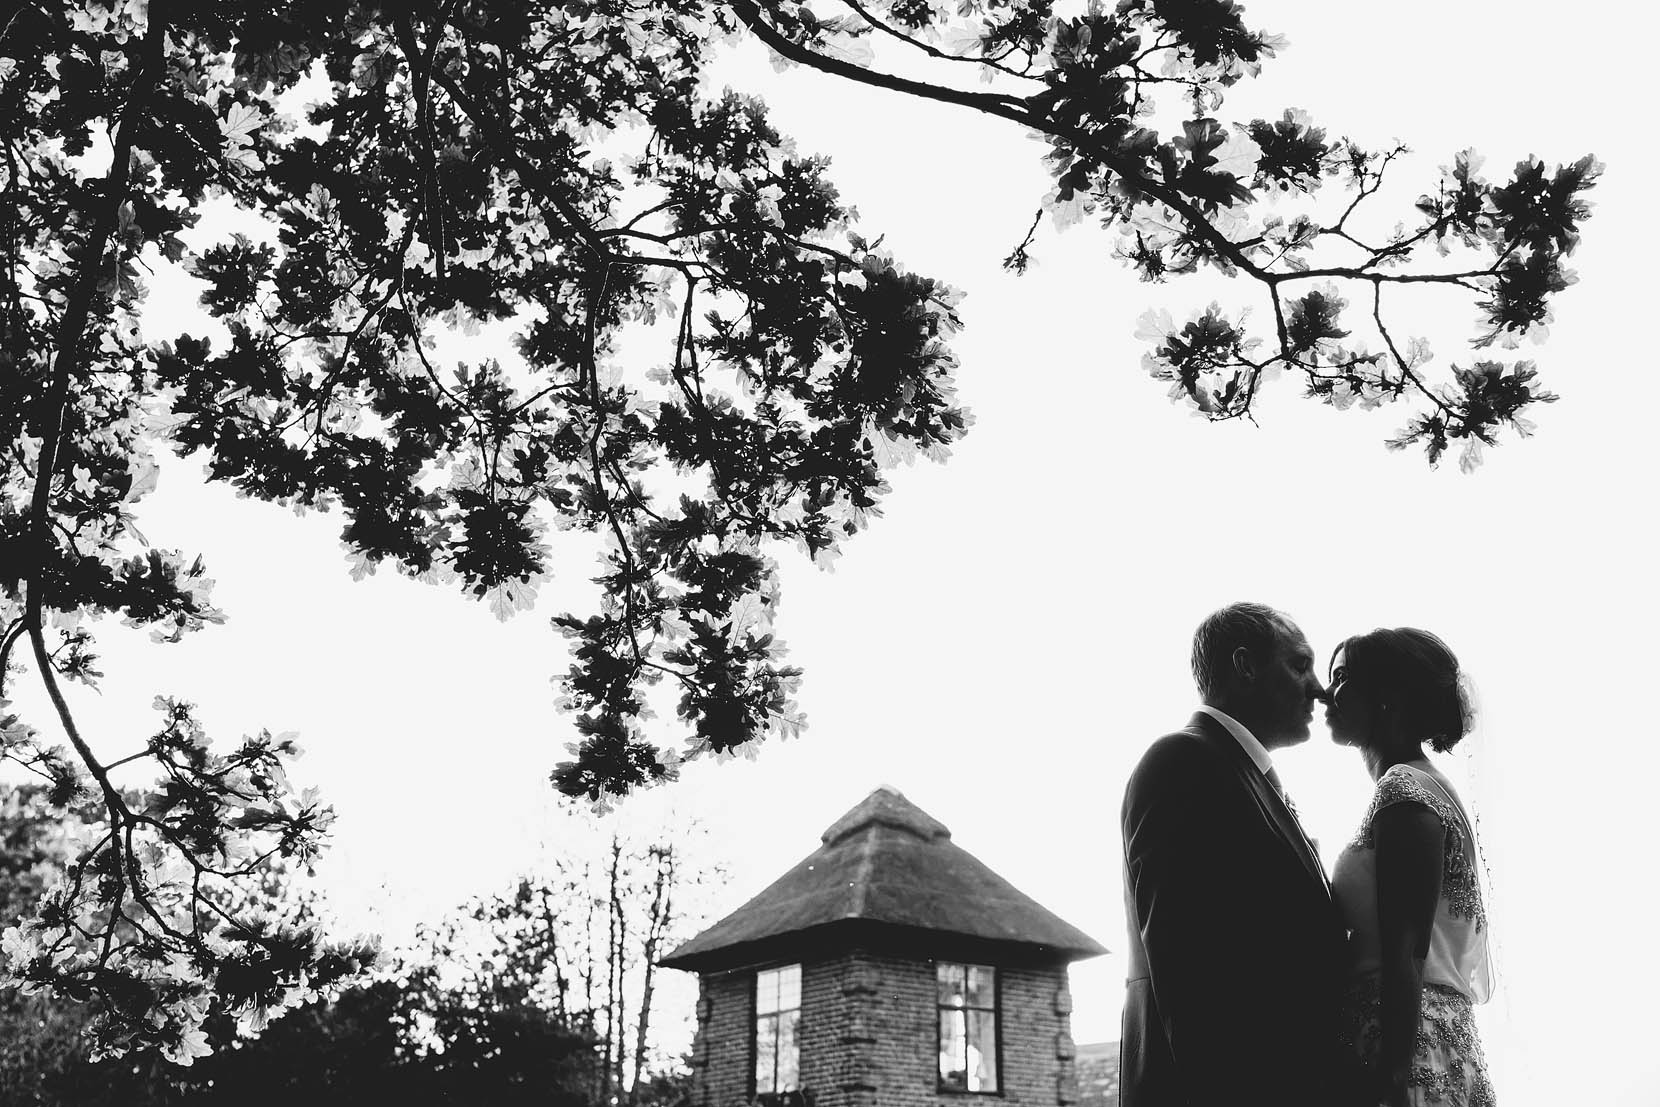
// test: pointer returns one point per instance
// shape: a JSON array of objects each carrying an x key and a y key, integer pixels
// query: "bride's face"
[{"x": 1348, "y": 713}]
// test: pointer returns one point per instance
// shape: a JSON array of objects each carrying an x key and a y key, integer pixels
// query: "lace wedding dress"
[{"x": 1449, "y": 1069}]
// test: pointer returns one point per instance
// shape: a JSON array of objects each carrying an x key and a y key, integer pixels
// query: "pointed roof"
[{"x": 890, "y": 864}]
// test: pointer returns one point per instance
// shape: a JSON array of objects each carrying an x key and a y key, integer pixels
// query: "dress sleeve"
[{"x": 1459, "y": 884}]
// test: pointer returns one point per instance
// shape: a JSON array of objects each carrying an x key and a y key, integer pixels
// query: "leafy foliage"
[
  {"x": 475, "y": 1014},
  {"x": 353, "y": 1049},
  {"x": 559, "y": 171},
  {"x": 579, "y": 940},
  {"x": 166, "y": 911},
  {"x": 50, "y": 1040},
  {"x": 1273, "y": 201}
]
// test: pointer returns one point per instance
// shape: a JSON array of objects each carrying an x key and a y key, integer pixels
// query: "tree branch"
[
  {"x": 13, "y": 633},
  {"x": 533, "y": 179},
  {"x": 71, "y": 337},
  {"x": 1400, "y": 362},
  {"x": 994, "y": 102},
  {"x": 1003, "y": 107},
  {"x": 929, "y": 49}
]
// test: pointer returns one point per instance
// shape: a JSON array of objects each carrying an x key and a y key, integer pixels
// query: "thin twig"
[{"x": 931, "y": 50}]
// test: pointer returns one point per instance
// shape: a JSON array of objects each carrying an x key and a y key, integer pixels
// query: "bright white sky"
[{"x": 1005, "y": 642}]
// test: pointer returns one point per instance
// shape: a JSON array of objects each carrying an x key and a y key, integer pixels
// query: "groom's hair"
[{"x": 1255, "y": 626}]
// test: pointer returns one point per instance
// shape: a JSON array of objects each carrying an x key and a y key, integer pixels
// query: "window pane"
[
  {"x": 952, "y": 989},
  {"x": 766, "y": 1053},
  {"x": 789, "y": 987},
  {"x": 789, "y": 1052},
  {"x": 777, "y": 989},
  {"x": 953, "y": 1051},
  {"x": 982, "y": 989},
  {"x": 982, "y": 1051},
  {"x": 777, "y": 1012}
]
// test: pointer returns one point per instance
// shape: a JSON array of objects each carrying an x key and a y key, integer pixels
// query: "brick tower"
[{"x": 890, "y": 968}]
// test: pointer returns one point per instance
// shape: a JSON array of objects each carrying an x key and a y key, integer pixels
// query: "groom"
[{"x": 1236, "y": 949}]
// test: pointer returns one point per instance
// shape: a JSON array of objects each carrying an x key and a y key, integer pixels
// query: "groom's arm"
[{"x": 1192, "y": 859}]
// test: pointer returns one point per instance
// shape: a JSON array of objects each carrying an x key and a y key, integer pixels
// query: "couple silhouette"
[{"x": 1254, "y": 977}]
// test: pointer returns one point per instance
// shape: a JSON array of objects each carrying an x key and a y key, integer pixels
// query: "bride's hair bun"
[{"x": 1416, "y": 672}]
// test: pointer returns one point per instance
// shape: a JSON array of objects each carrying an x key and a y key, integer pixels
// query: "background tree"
[
  {"x": 48, "y": 1041},
  {"x": 580, "y": 944},
  {"x": 412, "y": 1036},
  {"x": 40, "y": 1035},
  {"x": 560, "y": 167}
]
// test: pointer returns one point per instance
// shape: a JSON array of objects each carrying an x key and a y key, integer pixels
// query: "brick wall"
[
  {"x": 869, "y": 1036},
  {"x": 837, "y": 1032},
  {"x": 721, "y": 1051}
]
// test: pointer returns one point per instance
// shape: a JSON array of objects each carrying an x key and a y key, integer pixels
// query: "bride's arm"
[{"x": 1409, "y": 839}]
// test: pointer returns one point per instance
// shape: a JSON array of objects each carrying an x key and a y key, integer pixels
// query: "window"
[
  {"x": 968, "y": 1027},
  {"x": 777, "y": 1016}
]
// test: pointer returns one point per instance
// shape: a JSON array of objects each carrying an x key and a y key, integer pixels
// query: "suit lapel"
[
  {"x": 1268, "y": 800},
  {"x": 1275, "y": 811}
]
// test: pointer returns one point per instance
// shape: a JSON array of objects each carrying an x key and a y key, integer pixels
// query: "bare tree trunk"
[
  {"x": 619, "y": 967},
  {"x": 592, "y": 969},
  {"x": 662, "y": 897},
  {"x": 587, "y": 960},
  {"x": 613, "y": 985},
  {"x": 561, "y": 982}
]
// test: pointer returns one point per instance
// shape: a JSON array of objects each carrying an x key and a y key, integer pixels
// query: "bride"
[{"x": 1408, "y": 882}]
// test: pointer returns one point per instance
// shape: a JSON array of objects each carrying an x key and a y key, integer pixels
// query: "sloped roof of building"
[{"x": 887, "y": 862}]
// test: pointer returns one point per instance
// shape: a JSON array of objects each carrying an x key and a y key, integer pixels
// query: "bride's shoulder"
[
  {"x": 1401, "y": 784},
  {"x": 1411, "y": 784}
]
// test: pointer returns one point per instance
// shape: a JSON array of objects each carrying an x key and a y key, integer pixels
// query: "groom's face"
[{"x": 1288, "y": 690}]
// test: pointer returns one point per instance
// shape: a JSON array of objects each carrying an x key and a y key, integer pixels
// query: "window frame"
[
  {"x": 755, "y": 1091},
  {"x": 996, "y": 1011}
]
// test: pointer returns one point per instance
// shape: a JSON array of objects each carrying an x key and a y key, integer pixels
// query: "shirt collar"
[{"x": 1247, "y": 741}]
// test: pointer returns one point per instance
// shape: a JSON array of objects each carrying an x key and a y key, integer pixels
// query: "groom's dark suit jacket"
[{"x": 1236, "y": 949}]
